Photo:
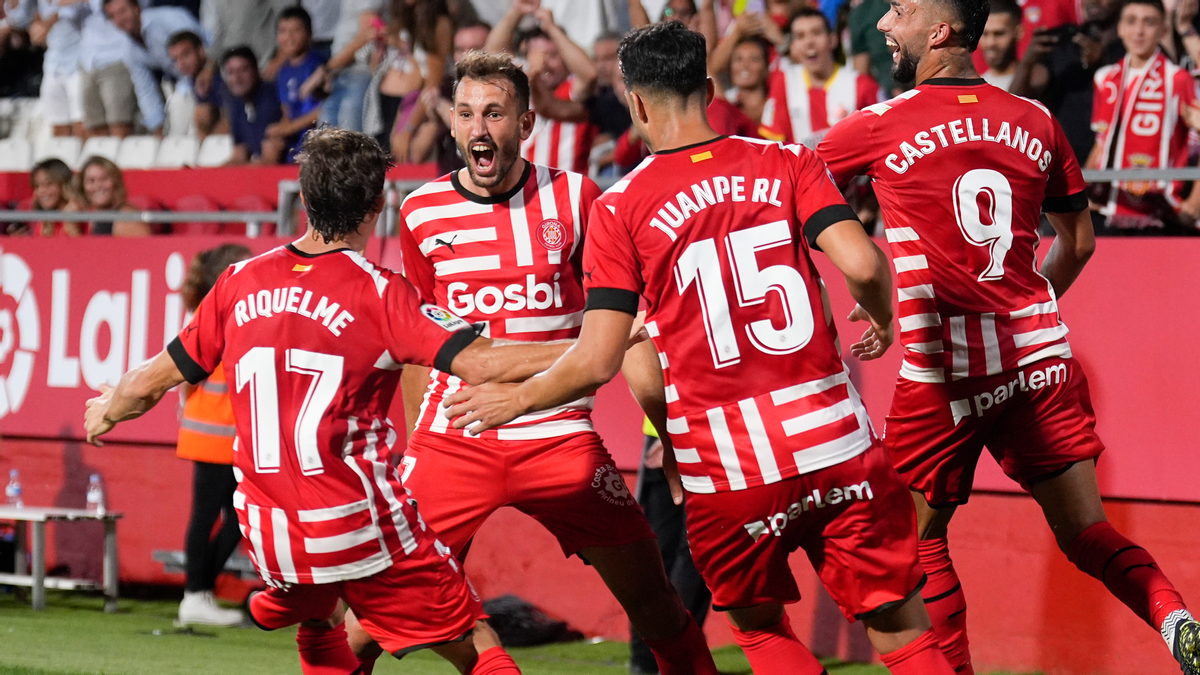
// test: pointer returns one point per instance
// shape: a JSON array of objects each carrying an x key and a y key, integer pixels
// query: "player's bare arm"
[
  {"x": 869, "y": 280},
  {"x": 1074, "y": 245},
  {"x": 138, "y": 391},
  {"x": 643, "y": 373},
  {"x": 592, "y": 361},
  {"x": 486, "y": 360}
]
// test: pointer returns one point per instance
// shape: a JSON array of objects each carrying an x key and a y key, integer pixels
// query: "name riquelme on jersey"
[{"x": 264, "y": 304}]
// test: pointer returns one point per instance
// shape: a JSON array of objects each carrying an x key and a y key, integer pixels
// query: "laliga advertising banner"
[{"x": 77, "y": 313}]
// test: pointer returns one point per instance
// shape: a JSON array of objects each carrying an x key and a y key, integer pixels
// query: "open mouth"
[
  {"x": 892, "y": 45},
  {"x": 484, "y": 157}
]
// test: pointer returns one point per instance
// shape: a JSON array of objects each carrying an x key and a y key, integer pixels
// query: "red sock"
[
  {"x": 324, "y": 651},
  {"x": 922, "y": 656},
  {"x": 777, "y": 651},
  {"x": 685, "y": 653},
  {"x": 946, "y": 604},
  {"x": 495, "y": 661},
  {"x": 1127, "y": 570}
]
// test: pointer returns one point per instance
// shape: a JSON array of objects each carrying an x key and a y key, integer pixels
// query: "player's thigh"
[
  {"x": 573, "y": 488},
  {"x": 865, "y": 551},
  {"x": 457, "y": 483},
  {"x": 934, "y": 436},
  {"x": 1048, "y": 425},
  {"x": 276, "y": 608}
]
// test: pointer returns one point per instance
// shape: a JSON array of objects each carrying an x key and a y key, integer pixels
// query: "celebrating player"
[
  {"x": 772, "y": 441},
  {"x": 500, "y": 243},
  {"x": 313, "y": 336},
  {"x": 963, "y": 171}
]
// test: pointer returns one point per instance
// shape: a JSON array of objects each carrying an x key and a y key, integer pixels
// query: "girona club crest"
[
  {"x": 20, "y": 335},
  {"x": 552, "y": 234}
]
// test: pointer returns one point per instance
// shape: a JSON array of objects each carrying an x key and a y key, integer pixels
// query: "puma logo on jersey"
[
  {"x": 588, "y": 272},
  {"x": 447, "y": 244}
]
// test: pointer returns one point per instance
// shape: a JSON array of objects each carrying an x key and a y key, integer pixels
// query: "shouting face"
[{"x": 489, "y": 125}]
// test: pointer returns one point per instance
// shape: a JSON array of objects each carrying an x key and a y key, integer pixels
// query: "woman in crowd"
[
  {"x": 99, "y": 187},
  {"x": 749, "y": 66},
  {"x": 51, "y": 183}
]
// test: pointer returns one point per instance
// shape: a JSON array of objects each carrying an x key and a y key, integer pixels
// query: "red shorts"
[
  {"x": 568, "y": 484},
  {"x": 1036, "y": 421},
  {"x": 854, "y": 520},
  {"x": 422, "y": 600}
]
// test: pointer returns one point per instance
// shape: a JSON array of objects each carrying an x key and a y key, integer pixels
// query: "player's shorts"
[
  {"x": 1037, "y": 421},
  {"x": 421, "y": 601},
  {"x": 855, "y": 521},
  {"x": 568, "y": 484},
  {"x": 60, "y": 101}
]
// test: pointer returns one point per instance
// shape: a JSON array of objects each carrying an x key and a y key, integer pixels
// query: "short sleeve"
[
  {"x": 1186, "y": 86},
  {"x": 197, "y": 350},
  {"x": 612, "y": 272},
  {"x": 819, "y": 203},
  {"x": 417, "y": 268},
  {"x": 422, "y": 333},
  {"x": 1065, "y": 190},
  {"x": 589, "y": 192},
  {"x": 847, "y": 148}
]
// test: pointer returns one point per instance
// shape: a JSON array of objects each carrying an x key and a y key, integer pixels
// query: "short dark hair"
[
  {"x": 485, "y": 67},
  {"x": 205, "y": 268},
  {"x": 522, "y": 37},
  {"x": 299, "y": 14},
  {"x": 239, "y": 52},
  {"x": 1009, "y": 7},
  {"x": 341, "y": 178},
  {"x": 185, "y": 36},
  {"x": 973, "y": 15},
  {"x": 758, "y": 41},
  {"x": 1156, "y": 4},
  {"x": 809, "y": 13},
  {"x": 665, "y": 59}
]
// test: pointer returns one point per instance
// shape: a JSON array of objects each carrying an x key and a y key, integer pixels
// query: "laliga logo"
[{"x": 14, "y": 282}]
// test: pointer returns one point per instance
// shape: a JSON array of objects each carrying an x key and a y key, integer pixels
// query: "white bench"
[{"x": 37, "y": 580}]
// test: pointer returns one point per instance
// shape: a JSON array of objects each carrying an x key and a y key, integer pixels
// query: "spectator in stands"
[
  {"x": 1137, "y": 127},
  {"x": 439, "y": 108},
  {"x": 347, "y": 75},
  {"x": 99, "y": 186},
  {"x": 58, "y": 27},
  {"x": 745, "y": 26},
  {"x": 604, "y": 107},
  {"x": 810, "y": 92},
  {"x": 189, "y": 112},
  {"x": 699, "y": 16},
  {"x": 300, "y": 110},
  {"x": 324, "y": 15},
  {"x": 206, "y": 435},
  {"x": 51, "y": 183},
  {"x": 251, "y": 106},
  {"x": 868, "y": 48},
  {"x": 999, "y": 43},
  {"x": 234, "y": 23},
  {"x": 107, "y": 93},
  {"x": 20, "y": 61},
  {"x": 558, "y": 69},
  {"x": 744, "y": 60}
]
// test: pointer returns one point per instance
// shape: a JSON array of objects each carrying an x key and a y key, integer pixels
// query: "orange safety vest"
[{"x": 206, "y": 429}]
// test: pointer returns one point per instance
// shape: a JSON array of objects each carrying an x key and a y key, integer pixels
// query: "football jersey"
[
  {"x": 312, "y": 345},
  {"x": 559, "y": 144},
  {"x": 713, "y": 237},
  {"x": 963, "y": 171},
  {"x": 797, "y": 112},
  {"x": 510, "y": 262}
]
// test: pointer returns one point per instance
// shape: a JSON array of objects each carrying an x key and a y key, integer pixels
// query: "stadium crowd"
[{"x": 261, "y": 73}]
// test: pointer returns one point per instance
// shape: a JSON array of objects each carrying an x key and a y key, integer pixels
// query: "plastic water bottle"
[
  {"x": 95, "y": 495},
  {"x": 12, "y": 491}
]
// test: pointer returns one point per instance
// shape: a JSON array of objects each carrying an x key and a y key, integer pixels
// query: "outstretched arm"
[
  {"x": 486, "y": 360},
  {"x": 500, "y": 40},
  {"x": 869, "y": 280},
  {"x": 139, "y": 390},
  {"x": 574, "y": 57}
]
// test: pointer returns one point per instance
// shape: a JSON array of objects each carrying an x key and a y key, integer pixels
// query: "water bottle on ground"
[
  {"x": 95, "y": 495},
  {"x": 12, "y": 491}
]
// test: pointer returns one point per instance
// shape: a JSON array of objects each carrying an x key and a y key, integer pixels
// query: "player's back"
[
  {"x": 756, "y": 390},
  {"x": 963, "y": 171}
]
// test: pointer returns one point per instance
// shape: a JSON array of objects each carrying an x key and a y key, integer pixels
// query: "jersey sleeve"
[
  {"x": 197, "y": 350},
  {"x": 846, "y": 148},
  {"x": 776, "y": 123},
  {"x": 819, "y": 203},
  {"x": 868, "y": 91},
  {"x": 588, "y": 194},
  {"x": 422, "y": 333},
  {"x": 1065, "y": 190},
  {"x": 612, "y": 272},
  {"x": 1188, "y": 95},
  {"x": 417, "y": 268}
]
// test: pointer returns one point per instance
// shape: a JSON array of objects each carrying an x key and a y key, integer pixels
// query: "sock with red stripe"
[
  {"x": 1127, "y": 570},
  {"x": 776, "y": 650},
  {"x": 922, "y": 656},
  {"x": 325, "y": 651},
  {"x": 495, "y": 661},
  {"x": 946, "y": 604},
  {"x": 685, "y": 653}
]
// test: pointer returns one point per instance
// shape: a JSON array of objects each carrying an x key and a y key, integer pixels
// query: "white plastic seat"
[
  {"x": 137, "y": 152},
  {"x": 16, "y": 154},
  {"x": 215, "y": 150},
  {"x": 100, "y": 146},
  {"x": 65, "y": 148},
  {"x": 177, "y": 151}
]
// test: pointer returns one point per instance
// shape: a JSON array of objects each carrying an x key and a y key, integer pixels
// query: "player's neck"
[
  {"x": 945, "y": 63},
  {"x": 312, "y": 243},
  {"x": 511, "y": 179}
]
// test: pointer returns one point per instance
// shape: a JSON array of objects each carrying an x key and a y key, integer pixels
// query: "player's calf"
[
  {"x": 765, "y": 635},
  {"x": 904, "y": 637},
  {"x": 946, "y": 603}
]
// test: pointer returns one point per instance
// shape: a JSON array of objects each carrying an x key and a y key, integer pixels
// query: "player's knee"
[{"x": 758, "y": 617}]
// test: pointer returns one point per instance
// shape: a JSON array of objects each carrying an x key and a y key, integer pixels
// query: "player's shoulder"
[
  {"x": 577, "y": 182},
  {"x": 877, "y": 110},
  {"x": 616, "y": 193},
  {"x": 434, "y": 191}
]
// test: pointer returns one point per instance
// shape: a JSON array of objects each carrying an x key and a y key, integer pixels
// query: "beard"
[
  {"x": 905, "y": 69},
  {"x": 502, "y": 159}
]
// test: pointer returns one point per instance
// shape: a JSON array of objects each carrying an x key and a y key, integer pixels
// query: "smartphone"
[{"x": 741, "y": 7}]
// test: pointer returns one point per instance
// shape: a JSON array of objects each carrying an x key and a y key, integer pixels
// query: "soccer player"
[
  {"x": 313, "y": 337},
  {"x": 773, "y": 444},
  {"x": 963, "y": 171},
  {"x": 500, "y": 243}
]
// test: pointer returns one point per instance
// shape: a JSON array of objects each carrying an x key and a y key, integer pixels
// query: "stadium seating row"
[{"x": 133, "y": 152}]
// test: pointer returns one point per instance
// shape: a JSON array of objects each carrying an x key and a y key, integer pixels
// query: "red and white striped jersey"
[
  {"x": 963, "y": 224},
  {"x": 558, "y": 144},
  {"x": 313, "y": 347},
  {"x": 712, "y": 236},
  {"x": 511, "y": 262}
]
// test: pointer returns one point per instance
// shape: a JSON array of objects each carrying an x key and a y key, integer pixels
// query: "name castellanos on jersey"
[
  {"x": 968, "y": 130},
  {"x": 704, "y": 194},
  {"x": 264, "y": 304},
  {"x": 513, "y": 297},
  {"x": 778, "y": 522}
]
